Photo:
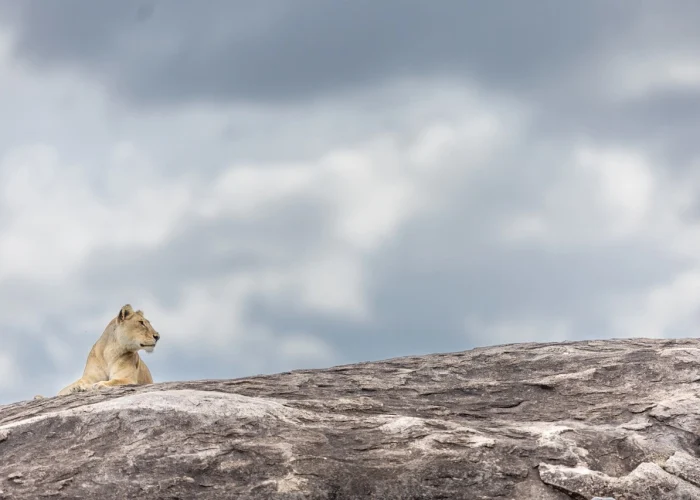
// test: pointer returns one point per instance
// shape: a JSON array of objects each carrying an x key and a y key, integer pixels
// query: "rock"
[{"x": 615, "y": 419}]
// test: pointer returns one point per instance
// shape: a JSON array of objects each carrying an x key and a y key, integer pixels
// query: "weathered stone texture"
[{"x": 617, "y": 419}]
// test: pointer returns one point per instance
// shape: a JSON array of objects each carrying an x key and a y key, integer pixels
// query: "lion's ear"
[{"x": 125, "y": 312}]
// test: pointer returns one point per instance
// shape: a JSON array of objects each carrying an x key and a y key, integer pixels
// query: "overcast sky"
[{"x": 290, "y": 184}]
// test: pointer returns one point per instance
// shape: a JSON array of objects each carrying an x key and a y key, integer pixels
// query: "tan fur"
[{"x": 114, "y": 359}]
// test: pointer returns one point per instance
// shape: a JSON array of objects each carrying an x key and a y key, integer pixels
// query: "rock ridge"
[{"x": 537, "y": 421}]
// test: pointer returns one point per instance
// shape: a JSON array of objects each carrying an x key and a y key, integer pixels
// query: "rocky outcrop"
[{"x": 617, "y": 419}]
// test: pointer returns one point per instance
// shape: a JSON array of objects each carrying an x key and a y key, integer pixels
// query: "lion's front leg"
[
  {"x": 79, "y": 385},
  {"x": 113, "y": 383}
]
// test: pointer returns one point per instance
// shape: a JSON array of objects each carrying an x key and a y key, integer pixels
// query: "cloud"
[
  {"x": 9, "y": 372},
  {"x": 365, "y": 193},
  {"x": 668, "y": 309},
  {"x": 194, "y": 250},
  {"x": 160, "y": 52},
  {"x": 57, "y": 219}
]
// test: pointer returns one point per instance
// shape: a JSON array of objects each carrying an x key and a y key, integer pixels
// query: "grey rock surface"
[{"x": 613, "y": 419}]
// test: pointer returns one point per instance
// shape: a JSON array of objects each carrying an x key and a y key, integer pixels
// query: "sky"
[{"x": 282, "y": 185}]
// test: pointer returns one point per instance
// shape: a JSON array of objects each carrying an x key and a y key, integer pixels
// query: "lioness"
[{"x": 114, "y": 359}]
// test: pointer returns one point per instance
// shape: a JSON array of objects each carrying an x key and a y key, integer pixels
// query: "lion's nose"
[{"x": 156, "y": 336}]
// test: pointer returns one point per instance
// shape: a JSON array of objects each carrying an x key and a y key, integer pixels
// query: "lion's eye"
[{"x": 143, "y": 323}]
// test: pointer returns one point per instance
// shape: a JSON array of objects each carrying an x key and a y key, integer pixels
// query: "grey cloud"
[
  {"x": 31, "y": 356},
  {"x": 162, "y": 52},
  {"x": 273, "y": 52},
  {"x": 441, "y": 270},
  {"x": 664, "y": 123},
  {"x": 206, "y": 249},
  {"x": 438, "y": 271}
]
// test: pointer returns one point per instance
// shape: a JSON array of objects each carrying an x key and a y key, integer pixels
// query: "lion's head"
[{"x": 134, "y": 331}]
